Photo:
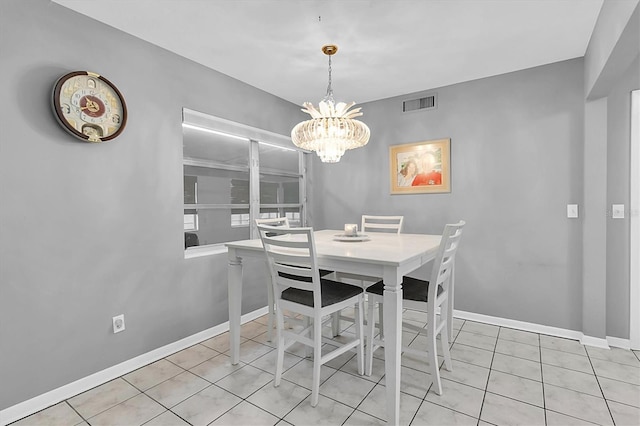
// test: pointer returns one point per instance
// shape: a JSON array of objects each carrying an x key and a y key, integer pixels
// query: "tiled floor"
[{"x": 500, "y": 376}]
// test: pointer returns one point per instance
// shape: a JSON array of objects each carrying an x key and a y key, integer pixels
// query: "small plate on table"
[{"x": 351, "y": 238}]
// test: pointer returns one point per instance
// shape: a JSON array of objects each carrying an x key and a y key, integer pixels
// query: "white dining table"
[{"x": 389, "y": 256}]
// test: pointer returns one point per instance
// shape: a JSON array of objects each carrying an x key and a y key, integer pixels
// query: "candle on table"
[{"x": 351, "y": 229}]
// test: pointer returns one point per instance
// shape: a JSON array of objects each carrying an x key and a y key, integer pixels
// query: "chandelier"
[{"x": 332, "y": 129}]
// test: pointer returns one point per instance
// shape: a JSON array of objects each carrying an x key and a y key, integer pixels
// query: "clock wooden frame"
[{"x": 89, "y": 106}]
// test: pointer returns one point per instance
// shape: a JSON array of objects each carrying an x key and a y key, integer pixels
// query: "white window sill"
[{"x": 201, "y": 251}]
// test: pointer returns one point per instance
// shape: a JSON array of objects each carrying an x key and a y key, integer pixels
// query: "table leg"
[
  {"x": 234, "y": 280},
  {"x": 392, "y": 342}
]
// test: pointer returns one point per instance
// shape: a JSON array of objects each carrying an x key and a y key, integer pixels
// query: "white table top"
[{"x": 381, "y": 248}]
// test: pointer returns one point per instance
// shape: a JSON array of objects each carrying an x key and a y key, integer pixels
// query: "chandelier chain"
[{"x": 329, "y": 89}]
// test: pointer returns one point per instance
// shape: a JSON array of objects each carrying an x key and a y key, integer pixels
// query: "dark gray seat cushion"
[
  {"x": 412, "y": 289},
  {"x": 332, "y": 292}
]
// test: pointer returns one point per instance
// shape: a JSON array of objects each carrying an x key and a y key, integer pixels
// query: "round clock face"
[{"x": 89, "y": 106}]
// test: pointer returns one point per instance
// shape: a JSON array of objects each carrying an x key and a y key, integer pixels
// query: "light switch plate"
[
  {"x": 617, "y": 211},
  {"x": 572, "y": 211}
]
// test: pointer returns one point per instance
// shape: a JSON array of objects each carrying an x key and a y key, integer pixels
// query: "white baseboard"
[
  {"x": 619, "y": 343},
  {"x": 543, "y": 329},
  {"x": 40, "y": 402},
  {"x": 597, "y": 342}
]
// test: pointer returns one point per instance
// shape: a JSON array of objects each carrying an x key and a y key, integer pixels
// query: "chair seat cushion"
[
  {"x": 324, "y": 272},
  {"x": 332, "y": 292},
  {"x": 412, "y": 289}
]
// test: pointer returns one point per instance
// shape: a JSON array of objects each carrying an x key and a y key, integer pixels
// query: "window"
[{"x": 234, "y": 174}]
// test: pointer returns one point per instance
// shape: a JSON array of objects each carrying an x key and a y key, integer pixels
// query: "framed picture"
[{"x": 421, "y": 167}]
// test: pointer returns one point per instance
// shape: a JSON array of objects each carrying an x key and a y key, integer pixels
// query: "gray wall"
[
  {"x": 618, "y": 192},
  {"x": 612, "y": 71},
  {"x": 89, "y": 231},
  {"x": 516, "y": 149}
]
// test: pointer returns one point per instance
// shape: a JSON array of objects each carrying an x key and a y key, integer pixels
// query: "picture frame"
[{"x": 420, "y": 167}]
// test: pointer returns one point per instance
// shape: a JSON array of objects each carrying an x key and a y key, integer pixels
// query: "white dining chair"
[
  {"x": 278, "y": 221},
  {"x": 298, "y": 288},
  {"x": 391, "y": 224},
  {"x": 428, "y": 297},
  {"x": 369, "y": 223}
]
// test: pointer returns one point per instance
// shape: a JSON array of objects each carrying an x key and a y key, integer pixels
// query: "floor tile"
[
  {"x": 358, "y": 418},
  {"x": 413, "y": 382},
  {"x": 571, "y": 379},
  {"x": 178, "y": 388},
  {"x": 582, "y": 385},
  {"x": 480, "y": 328},
  {"x": 625, "y": 393},
  {"x": 251, "y": 350},
  {"x": 458, "y": 397},
  {"x": 561, "y": 344},
  {"x": 621, "y": 356},
  {"x": 419, "y": 361},
  {"x": 327, "y": 412},
  {"x": 624, "y": 415},
  {"x": 576, "y": 404},
  {"x": 519, "y": 336},
  {"x": 613, "y": 370},
  {"x": 476, "y": 340},
  {"x": 436, "y": 415},
  {"x": 351, "y": 367},
  {"x": 302, "y": 373},
  {"x": 515, "y": 387},
  {"x": 458, "y": 323},
  {"x": 520, "y": 350},
  {"x": 499, "y": 410},
  {"x": 566, "y": 360},
  {"x": 559, "y": 419},
  {"x": 375, "y": 404},
  {"x": 281, "y": 400},
  {"x": 192, "y": 356},
  {"x": 152, "y": 374},
  {"x": 59, "y": 414},
  {"x": 264, "y": 339},
  {"x": 245, "y": 381},
  {"x": 268, "y": 361},
  {"x": 220, "y": 342},
  {"x": 517, "y": 366},
  {"x": 206, "y": 406},
  {"x": 347, "y": 389},
  {"x": 467, "y": 374},
  {"x": 135, "y": 411},
  {"x": 216, "y": 368},
  {"x": 415, "y": 316},
  {"x": 103, "y": 397},
  {"x": 168, "y": 418},
  {"x": 252, "y": 329},
  {"x": 246, "y": 414},
  {"x": 471, "y": 355},
  {"x": 338, "y": 361}
]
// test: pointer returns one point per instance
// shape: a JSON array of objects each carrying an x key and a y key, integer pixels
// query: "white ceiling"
[{"x": 386, "y": 48}]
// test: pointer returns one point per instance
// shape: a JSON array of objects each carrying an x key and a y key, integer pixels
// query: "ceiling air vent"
[{"x": 428, "y": 102}]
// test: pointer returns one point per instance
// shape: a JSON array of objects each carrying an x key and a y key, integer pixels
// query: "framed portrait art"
[{"x": 421, "y": 167}]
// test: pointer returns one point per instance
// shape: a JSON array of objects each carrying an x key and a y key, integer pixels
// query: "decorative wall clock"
[{"x": 89, "y": 106}]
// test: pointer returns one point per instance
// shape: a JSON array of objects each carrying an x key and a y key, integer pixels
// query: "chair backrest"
[
  {"x": 391, "y": 224},
  {"x": 291, "y": 256},
  {"x": 445, "y": 260},
  {"x": 277, "y": 221}
]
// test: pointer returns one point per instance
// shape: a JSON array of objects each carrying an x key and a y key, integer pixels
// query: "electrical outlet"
[
  {"x": 118, "y": 323},
  {"x": 617, "y": 211},
  {"x": 572, "y": 211}
]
